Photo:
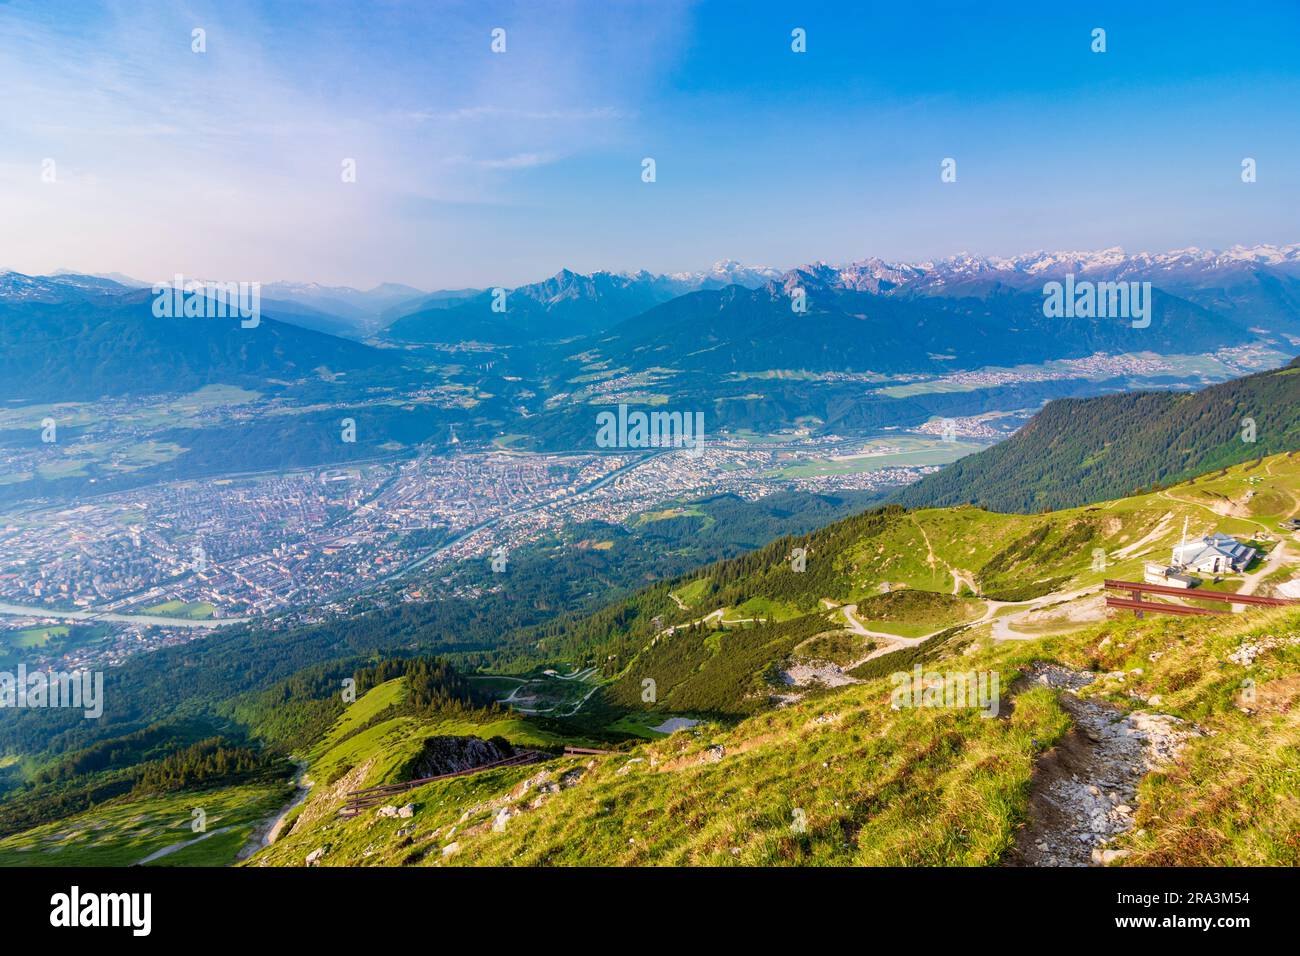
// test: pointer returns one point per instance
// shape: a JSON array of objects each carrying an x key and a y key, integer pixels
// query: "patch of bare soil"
[
  {"x": 1278, "y": 696},
  {"x": 808, "y": 672},
  {"x": 1062, "y": 617}
]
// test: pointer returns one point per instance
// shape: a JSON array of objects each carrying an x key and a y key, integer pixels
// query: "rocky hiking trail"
[
  {"x": 1084, "y": 790},
  {"x": 270, "y": 830}
]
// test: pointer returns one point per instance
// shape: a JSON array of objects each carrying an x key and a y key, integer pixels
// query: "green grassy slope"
[
  {"x": 846, "y": 779},
  {"x": 126, "y": 831}
]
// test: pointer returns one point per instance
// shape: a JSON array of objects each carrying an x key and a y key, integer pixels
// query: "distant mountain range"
[
  {"x": 965, "y": 273},
  {"x": 362, "y": 311},
  {"x": 1249, "y": 282},
  {"x": 1249, "y": 286},
  {"x": 66, "y": 286},
  {"x": 844, "y": 329},
  {"x": 929, "y": 318},
  {"x": 564, "y": 306},
  {"x": 1079, "y": 451},
  {"x": 339, "y": 310},
  {"x": 1114, "y": 262},
  {"x": 78, "y": 337}
]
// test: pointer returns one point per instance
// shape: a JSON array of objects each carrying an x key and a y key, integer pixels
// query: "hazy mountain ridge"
[
  {"x": 92, "y": 344},
  {"x": 572, "y": 303},
  {"x": 1247, "y": 284},
  {"x": 869, "y": 317},
  {"x": 566, "y": 305},
  {"x": 1113, "y": 263},
  {"x": 845, "y": 329}
]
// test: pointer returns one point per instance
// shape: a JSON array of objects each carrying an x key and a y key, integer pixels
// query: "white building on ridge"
[{"x": 1213, "y": 554}]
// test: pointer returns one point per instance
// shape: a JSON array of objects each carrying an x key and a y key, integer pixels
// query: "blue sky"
[{"x": 475, "y": 168}]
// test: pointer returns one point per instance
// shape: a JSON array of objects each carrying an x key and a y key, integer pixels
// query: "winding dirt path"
[
  {"x": 1251, "y": 582},
  {"x": 169, "y": 850},
  {"x": 1161, "y": 526},
  {"x": 1001, "y": 630},
  {"x": 269, "y": 831},
  {"x": 850, "y": 612},
  {"x": 1084, "y": 790},
  {"x": 712, "y": 615},
  {"x": 959, "y": 577},
  {"x": 1229, "y": 509}
]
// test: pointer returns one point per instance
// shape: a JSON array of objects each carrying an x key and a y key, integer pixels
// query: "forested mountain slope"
[{"x": 1077, "y": 451}]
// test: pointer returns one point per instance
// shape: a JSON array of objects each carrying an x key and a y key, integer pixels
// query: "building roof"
[{"x": 1193, "y": 552}]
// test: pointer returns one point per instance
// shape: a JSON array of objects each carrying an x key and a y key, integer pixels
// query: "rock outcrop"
[{"x": 453, "y": 754}]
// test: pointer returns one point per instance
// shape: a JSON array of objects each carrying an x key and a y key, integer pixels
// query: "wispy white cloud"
[
  {"x": 517, "y": 161},
  {"x": 498, "y": 113}
]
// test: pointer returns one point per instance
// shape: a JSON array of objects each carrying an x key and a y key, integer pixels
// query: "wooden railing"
[
  {"x": 1138, "y": 606},
  {"x": 359, "y": 800}
]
